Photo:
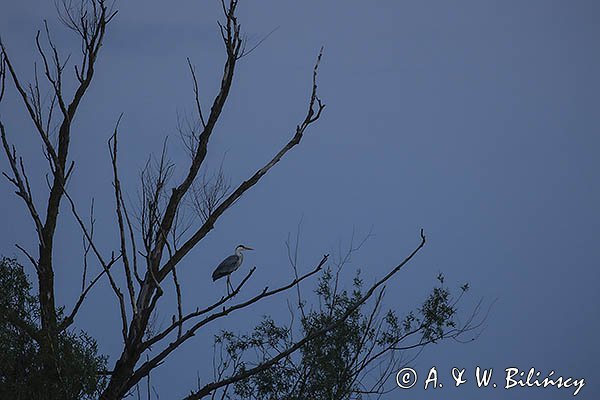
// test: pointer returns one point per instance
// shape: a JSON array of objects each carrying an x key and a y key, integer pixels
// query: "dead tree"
[{"x": 149, "y": 252}]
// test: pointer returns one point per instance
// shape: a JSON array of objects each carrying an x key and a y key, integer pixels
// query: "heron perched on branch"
[{"x": 230, "y": 264}]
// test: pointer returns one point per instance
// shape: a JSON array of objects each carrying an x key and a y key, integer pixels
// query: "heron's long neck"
[{"x": 238, "y": 252}]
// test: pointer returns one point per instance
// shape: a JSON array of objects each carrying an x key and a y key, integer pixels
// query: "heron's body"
[
  {"x": 227, "y": 266},
  {"x": 230, "y": 264}
]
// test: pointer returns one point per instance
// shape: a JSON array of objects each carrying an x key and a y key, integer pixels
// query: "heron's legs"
[{"x": 229, "y": 286}]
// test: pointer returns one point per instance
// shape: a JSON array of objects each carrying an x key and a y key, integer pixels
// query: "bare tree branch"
[
  {"x": 68, "y": 321},
  {"x": 199, "y": 312},
  {"x": 196, "y": 93},
  {"x": 179, "y": 306},
  {"x": 106, "y": 265},
  {"x": 20, "y": 180},
  {"x": 28, "y": 255},
  {"x": 209, "y": 193},
  {"x": 87, "y": 247},
  {"x": 293, "y": 259},
  {"x": 120, "y": 219}
]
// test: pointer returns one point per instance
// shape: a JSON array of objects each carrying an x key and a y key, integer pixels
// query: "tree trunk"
[{"x": 48, "y": 334}]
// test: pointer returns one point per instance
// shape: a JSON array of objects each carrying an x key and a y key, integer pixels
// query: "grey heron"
[{"x": 230, "y": 264}]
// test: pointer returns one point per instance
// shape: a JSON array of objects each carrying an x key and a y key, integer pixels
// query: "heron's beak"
[{"x": 248, "y": 248}]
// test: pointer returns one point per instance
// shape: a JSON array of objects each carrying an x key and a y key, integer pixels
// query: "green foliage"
[
  {"x": 21, "y": 373},
  {"x": 349, "y": 362}
]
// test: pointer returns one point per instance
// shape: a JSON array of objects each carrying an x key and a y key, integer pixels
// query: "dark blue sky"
[{"x": 475, "y": 120}]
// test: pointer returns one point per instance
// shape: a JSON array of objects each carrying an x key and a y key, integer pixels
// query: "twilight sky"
[{"x": 476, "y": 120}]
